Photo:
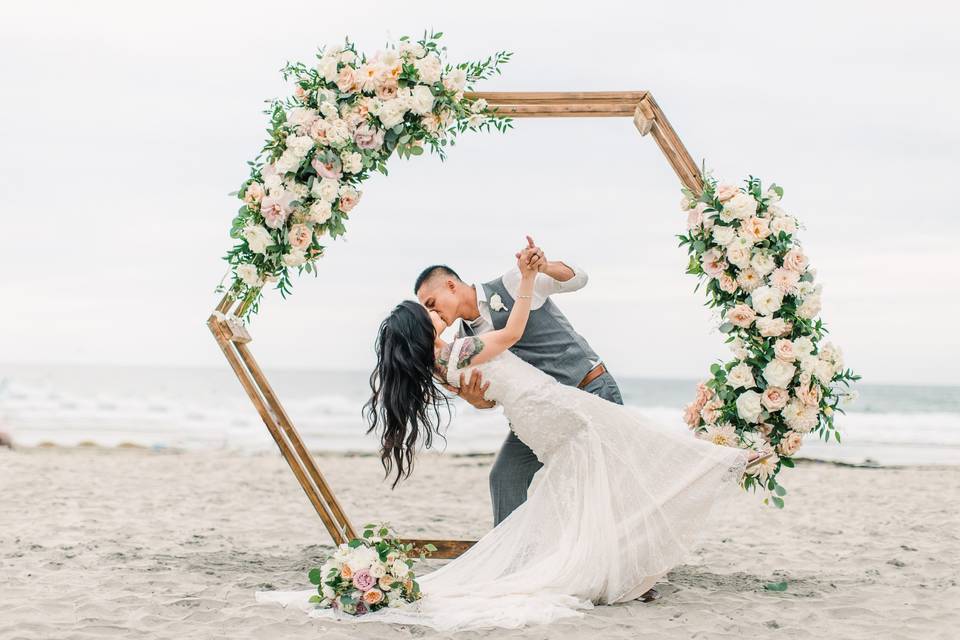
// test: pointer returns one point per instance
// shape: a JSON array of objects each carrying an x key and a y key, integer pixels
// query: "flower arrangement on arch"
[
  {"x": 368, "y": 573},
  {"x": 783, "y": 381},
  {"x": 348, "y": 115}
]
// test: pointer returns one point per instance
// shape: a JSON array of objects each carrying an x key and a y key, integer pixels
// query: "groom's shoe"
[{"x": 649, "y": 596}]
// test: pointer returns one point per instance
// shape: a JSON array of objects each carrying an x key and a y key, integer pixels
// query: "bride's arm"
[{"x": 486, "y": 346}]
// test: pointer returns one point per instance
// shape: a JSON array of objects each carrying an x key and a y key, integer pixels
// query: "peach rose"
[
  {"x": 783, "y": 350},
  {"x": 809, "y": 394},
  {"x": 741, "y": 315},
  {"x": 727, "y": 283},
  {"x": 790, "y": 443},
  {"x": 348, "y": 198},
  {"x": 796, "y": 260},
  {"x": 347, "y": 79},
  {"x": 385, "y": 582},
  {"x": 774, "y": 398},
  {"x": 373, "y": 596},
  {"x": 755, "y": 229},
  {"x": 254, "y": 193},
  {"x": 726, "y": 191},
  {"x": 713, "y": 263},
  {"x": 691, "y": 415},
  {"x": 772, "y": 327},
  {"x": 346, "y": 572},
  {"x": 711, "y": 411},
  {"x": 387, "y": 90},
  {"x": 300, "y": 236}
]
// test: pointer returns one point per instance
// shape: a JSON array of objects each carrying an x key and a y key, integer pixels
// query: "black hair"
[
  {"x": 406, "y": 399},
  {"x": 429, "y": 272}
]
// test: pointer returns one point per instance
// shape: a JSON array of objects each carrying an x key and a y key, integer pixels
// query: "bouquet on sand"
[{"x": 368, "y": 573}]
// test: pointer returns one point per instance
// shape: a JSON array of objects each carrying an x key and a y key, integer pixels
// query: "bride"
[{"x": 619, "y": 501}]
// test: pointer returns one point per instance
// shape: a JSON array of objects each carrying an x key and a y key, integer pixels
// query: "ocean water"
[{"x": 197, "y": 408}]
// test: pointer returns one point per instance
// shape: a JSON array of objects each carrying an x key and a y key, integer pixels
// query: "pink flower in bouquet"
[
  {"x": 275, "y": 209},
  {"x": 385, "y": 582},
  {"x": 726, "y": 191},
  {"x": 368, "y": 137},
  {"x": 774, "y": 398},
  {"x": 727, "y": 283},
  {"x": 362, "y": 608},
  {"x": 741, "y": 315},
  {"x": 691, "y": 415},
  {"x": 329, "y": 169},
  {"x": 347, "y": 80},
  {"x": 254, "y": 193},
  {"x": 785, "y": 279},
  {"x": 713, "y": 263},
  {"x": 348, "y": 198},
  {"x": 711, "y": 411},
  {"x": 363, "y": 580},
  {"x": 387, "y": 90},
  {"x": 790, "y": 443},
  {"x": 794, "y": 259},
  {"x": 783, "y": 350},
  {"x": 300, "y": 236},
  {"x": 373, "y": 596},
  {"x": 808, "y": 393}
]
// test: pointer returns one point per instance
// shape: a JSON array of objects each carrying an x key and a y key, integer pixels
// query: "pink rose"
[
  {"x": 275, "y": 209},
  {"x": 348, "y": 199},
  {"x": 727, "y": 283},
  {"x": 363, "y": 580},
  {"x": 300, "y": 236},
  {"x": 318, "y": 130},
  {"x": 726, "y": 191},
  {"x": 694, "y": 219},
  {"x": 347, "y": 79},
  {"x": 300, "y": 94},
  {"x": 807, "y": 393},
  {"x": 711, "y": 411},
  {"x": 331, "y": 169},
  {"x": 368, "y": 137},
  {"x": 783, "y": 350},
  {"x": 741, "y": 315},
  {"x": 713, "y": 263},
  {"x": 774, "y": 398},
  {"x": 387, "y": 90},
  {"x": 691, "y": 415},
  {"x": 254, "y": 193},
  {"x": 790, "y": 443},
  {"x": 796, "y": 260}
]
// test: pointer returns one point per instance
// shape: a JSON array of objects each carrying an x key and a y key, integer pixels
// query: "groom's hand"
[{"x": 474, "y": 391}]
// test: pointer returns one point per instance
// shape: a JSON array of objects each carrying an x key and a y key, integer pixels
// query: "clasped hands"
[{"x": 529, "y": 259}]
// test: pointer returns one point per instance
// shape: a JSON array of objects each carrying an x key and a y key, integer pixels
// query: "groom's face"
[{"x": 440, "y": 295}]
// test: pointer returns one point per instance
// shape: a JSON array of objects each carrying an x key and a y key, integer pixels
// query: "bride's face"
[{"x": 439, "y": 326}]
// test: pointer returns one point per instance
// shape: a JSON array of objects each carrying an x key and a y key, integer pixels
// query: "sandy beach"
[{"x": 133, "y": 543}]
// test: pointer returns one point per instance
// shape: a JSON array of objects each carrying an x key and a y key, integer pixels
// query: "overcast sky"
[{"x": 125, "y": 125}]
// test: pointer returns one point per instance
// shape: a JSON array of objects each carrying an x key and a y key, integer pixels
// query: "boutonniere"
[{"x": 496, "y": 303}]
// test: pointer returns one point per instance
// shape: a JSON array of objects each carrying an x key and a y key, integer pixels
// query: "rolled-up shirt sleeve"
[{"x": 545, "y": 285}]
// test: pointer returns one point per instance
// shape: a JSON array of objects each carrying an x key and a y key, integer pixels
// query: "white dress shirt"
[{"x": 543, "y": 286}]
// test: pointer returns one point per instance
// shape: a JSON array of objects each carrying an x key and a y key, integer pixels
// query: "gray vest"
[{"x": 549, "y": 342}]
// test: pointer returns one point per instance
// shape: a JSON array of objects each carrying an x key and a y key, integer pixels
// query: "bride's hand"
[{"x": 527, "y": 269}]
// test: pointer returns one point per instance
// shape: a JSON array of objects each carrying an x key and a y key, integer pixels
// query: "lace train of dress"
[{"x": 619, "y": 501}]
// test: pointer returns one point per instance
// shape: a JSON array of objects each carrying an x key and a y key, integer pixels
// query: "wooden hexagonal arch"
[{"x": 232, "y": 336}]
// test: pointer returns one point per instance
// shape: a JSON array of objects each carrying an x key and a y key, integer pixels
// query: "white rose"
[
  {"x": 257, "y": 237},
  {"x": 378, "y": 570},
  {"x": 329, "y": 109},
  {"x": 767, "y": 300},
  {"x": 326, "y": 189},
  {"x": 301, "y": 117},
  {"x": 299, "y": 145},
  {"x": 352, "y": 162},
  {"x": 362, "y": 558},
  {"x": 763, "y": 263},
  {"x": 400, "y": 569},
  {"x": 823, "y": 370},
  {"x": 320, "y": 211},
  {"x": 749, "y": 407},
  {"x": 326, "y": 95},
  {"x": 456, "y": 80},
  {"x": 338, "y": 133},
  {"x": 421, "y": 100},
  {"x": 723, "y": 235},
  {"x": 741, "y": 376},
  {"x": 294, "y": 258},
  {"x": 429, "y": 68},
  {"x": 783, "y": 223},
  {"x": 739, "y": 349},
  {"x": 327, "y": 68},
  {"x": 803, "y": 346},
  {"x": 740, "y": 206},
  {"x": 249, "y": 274},
  {"x": 810, "y": 307},
  {"x": 411, "y": 50},
  {"x": 288, "y": 161},
  {"x": 347, "y": 56},
  {"x": 391, "y": 113},
  {"x": 478, "y": 105},
  {"x": 739, "y": 255},
  {"x": 778, "y": 373}
]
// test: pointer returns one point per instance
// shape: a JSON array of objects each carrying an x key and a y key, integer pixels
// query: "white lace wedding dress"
[{"x": 619, "y": 501}]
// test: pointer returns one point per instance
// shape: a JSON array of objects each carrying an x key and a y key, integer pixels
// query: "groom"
[{"x": 549, "y": 343}]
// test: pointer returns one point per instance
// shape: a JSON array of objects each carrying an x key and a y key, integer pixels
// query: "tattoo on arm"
[
  {"x": 470, "y": 348},
  {"x": 443, "y": 360}
]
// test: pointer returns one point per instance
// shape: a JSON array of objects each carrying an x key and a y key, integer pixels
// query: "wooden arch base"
[{"x": 232, "y": 336}]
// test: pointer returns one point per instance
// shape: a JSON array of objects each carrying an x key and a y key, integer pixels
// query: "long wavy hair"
[{"x": 405, "y": 401}]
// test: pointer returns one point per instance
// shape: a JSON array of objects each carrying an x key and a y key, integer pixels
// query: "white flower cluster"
[
  {"x": 781, "y": 380},
  {"x": 348, "y": 115}
]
